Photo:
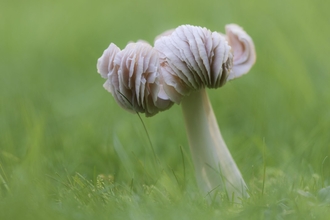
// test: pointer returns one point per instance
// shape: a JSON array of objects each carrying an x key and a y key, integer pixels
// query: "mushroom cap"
[
  {"x": 243, "y": 50},
  {"x": 192, "y": 58},
  {"x": 148, "y": 80},
  {"x": 133, "y": 78}
]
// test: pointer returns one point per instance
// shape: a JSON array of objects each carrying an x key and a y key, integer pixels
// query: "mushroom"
[
  {"x": 191, "y": 60},
  {"x": 133, "y": 78},
  {"x": 177, "y": 69}
]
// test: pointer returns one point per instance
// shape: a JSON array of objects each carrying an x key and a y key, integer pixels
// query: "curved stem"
[{"x": 214, "y": 166}]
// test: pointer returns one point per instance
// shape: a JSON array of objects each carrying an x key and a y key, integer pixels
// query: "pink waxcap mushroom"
[
  {"x": 243, "y": 50},
  {"x": 133, "y": 78},
  {"x": 192, "y": 58}
]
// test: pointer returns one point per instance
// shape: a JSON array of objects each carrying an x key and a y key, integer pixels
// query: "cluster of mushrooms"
[{"x": 179, "y": 67}]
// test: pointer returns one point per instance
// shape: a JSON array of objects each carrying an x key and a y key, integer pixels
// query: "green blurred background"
[{"x": 56, "y": 119}]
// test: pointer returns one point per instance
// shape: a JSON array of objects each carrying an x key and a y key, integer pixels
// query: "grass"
[{"x": 67, "y": 151}]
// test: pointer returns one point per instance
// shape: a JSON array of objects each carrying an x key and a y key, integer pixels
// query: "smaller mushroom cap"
[{"x": 133, "y": 78}]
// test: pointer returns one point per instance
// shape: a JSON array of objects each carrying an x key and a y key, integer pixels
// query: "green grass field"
[{"x": 68, "y": 151}]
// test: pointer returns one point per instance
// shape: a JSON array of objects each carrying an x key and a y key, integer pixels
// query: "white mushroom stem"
[{"x": 215, "y": 168}]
